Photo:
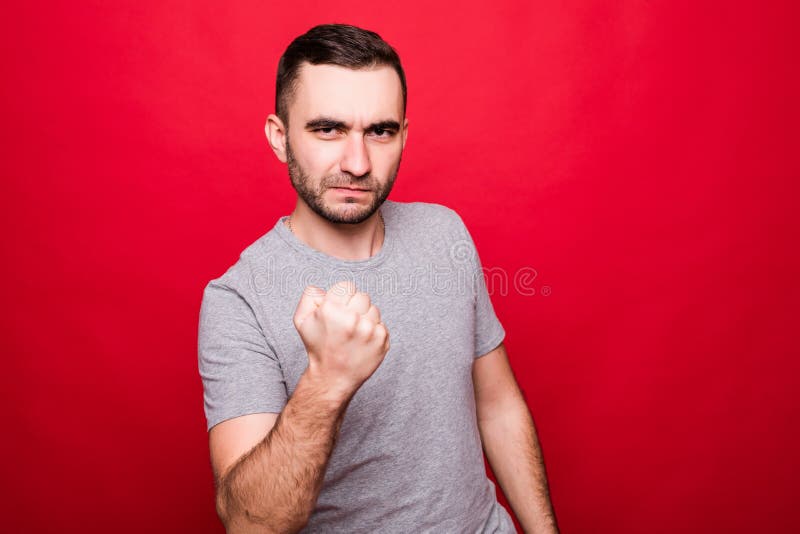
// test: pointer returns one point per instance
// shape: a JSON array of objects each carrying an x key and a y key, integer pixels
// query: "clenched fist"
[{"x": 343, "y": 335}]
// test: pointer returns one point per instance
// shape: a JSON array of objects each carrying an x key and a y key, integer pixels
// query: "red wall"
[{"x": 640, "y": 156}]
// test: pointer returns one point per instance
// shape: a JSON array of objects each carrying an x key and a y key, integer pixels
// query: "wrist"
[{"x": 337, "y": 393}]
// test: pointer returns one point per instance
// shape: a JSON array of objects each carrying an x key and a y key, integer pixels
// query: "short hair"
[{"x": 332, "y": 44}]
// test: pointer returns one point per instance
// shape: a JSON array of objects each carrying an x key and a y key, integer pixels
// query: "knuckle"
[
  {"x": 381, "y": 332},
  {"x": 350, "y": 321},
  {"x": 366, "y": 327},
  {"x": 327, "y": 308}
]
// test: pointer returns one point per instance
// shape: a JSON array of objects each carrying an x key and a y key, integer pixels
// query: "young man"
[{"x": 352, "y": 363}]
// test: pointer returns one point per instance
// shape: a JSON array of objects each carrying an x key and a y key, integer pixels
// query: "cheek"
[
  {"x": 384, "y": 171},
  {"x": 321, "y": 158},
  {"x": 386, "y": 159}
]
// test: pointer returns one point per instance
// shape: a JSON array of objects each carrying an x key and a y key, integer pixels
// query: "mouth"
[
  {"x": 351, "y": 189},
  {"x": 350, "y": 193}
]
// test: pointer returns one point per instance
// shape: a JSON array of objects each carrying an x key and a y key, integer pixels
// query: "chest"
[{"x": 431, "y": 326}]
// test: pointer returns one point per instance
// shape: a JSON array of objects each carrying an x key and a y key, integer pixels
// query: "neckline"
[{"x": 326, "y": 259}]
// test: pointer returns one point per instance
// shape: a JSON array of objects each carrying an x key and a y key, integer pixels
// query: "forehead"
[{"x": 347, "y": 94}]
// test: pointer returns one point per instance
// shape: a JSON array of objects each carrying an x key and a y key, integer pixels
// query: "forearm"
[
  {"x": 512, "y": 448},
  {"x": 274, "y": 487}
]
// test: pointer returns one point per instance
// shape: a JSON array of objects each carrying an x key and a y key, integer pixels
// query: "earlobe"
[{"x": 276, "y": 136}]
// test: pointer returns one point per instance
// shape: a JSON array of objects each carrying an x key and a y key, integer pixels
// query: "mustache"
[{"x": 344, "y": 180}]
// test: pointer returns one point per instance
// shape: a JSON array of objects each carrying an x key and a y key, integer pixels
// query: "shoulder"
[
  {"x": 425, "y": 216},
  {"x": 435, "y": 232},
  {"x": 244, "y": 275}
]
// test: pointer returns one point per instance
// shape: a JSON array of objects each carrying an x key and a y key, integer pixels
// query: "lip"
[{"x": 349, "y": 191}]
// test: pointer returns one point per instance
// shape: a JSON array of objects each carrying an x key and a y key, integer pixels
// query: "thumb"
[{"x": 311, "y": 298}]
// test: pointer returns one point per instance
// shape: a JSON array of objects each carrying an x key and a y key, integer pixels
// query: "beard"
[{"x": 352, "y": 212}]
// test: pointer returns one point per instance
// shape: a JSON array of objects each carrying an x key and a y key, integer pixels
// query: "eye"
[
  {"x": 326, "y": 131},
  {"x": 383, "y": 133}
]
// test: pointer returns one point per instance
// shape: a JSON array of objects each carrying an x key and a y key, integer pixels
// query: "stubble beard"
[{"x": 354, "y": 212}]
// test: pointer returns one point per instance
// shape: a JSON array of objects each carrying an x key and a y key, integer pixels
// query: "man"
[{"x": 352, "y": 363}]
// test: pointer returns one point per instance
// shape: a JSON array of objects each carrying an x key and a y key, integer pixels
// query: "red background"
[{"x": 640, "y": 156}]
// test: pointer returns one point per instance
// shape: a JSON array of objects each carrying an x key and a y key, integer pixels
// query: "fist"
[{"x": 342, "y": 333}]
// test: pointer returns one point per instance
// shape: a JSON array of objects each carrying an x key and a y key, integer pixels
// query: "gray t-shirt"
[{"x": 408, "y": 457}]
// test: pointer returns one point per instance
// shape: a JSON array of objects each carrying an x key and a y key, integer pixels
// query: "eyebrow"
[{"x": 330, "y": 122}]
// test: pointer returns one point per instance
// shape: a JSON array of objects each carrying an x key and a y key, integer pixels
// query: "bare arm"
[
  {"x": 274, "y": 486},
  {"x": 270, "y": 468},
  {"x": 510, "y": 442}
]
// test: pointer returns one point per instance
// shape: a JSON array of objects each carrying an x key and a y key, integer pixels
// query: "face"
[{"x": 345, "y": 139}]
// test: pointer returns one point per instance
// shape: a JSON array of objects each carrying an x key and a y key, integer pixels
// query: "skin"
[
  {"x": 348, "y": 127},
  {"x": 268, "y": 467},
  {"x": 510, "y": 442}
]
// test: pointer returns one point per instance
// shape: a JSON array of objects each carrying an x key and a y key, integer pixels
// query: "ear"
[
  {"x": 404, "y": 132},
  {"x": 276, "y": 136}
]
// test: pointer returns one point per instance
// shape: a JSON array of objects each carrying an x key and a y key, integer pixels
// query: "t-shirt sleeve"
[
  {"x": 489, "y": 332},
  {"x": 240, "y": 372}
]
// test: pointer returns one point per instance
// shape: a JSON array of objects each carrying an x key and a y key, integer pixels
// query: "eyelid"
[
  {"x": 321, "y": 128},
  {"x": 389, "y": 131}
]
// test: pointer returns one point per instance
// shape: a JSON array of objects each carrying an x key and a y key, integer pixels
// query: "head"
[{"x": 340, "y": 120}]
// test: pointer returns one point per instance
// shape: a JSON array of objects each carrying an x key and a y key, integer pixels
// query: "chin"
[{"x": 348, "y": 215}]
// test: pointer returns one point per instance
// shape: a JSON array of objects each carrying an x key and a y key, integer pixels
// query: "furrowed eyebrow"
[
  {"x": 325, "y": 122},
  {"x": 328, "y": 122},
  {"x": 384, "y": 125}
]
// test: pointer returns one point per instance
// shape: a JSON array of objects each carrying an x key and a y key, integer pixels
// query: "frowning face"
[{"x": 345, "y": 139}]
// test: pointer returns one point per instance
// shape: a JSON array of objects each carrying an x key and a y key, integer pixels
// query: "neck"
[{"x": 343, "y": 241}]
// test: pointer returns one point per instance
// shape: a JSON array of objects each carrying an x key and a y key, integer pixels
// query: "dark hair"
[{"x": 332, "y": 44}]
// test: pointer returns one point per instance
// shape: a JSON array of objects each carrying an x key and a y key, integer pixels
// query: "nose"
[{"x": 355, "y": 159}]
